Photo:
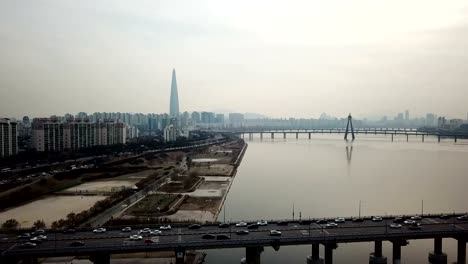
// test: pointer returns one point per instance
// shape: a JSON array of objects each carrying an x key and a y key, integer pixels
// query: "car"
[
  {"x": 99, "y": 230},
  {"x": 222, "y": 237},
  {"x": 194, "y": 226},
  {"x": 376, "y": 219},
  {"x": 208, "y": 236},
  {"x": 282, "y": 223},
  {"x": 409, "y": 222},
  {"x": 340, "y": 220},
  {"x": 275, "y": 233},
  {"x": 444, "y": 216},
  {"x": 156, "y": 232},
  {"x": 241, "y": 224},
  {"x": 38, "y": 239},
  {"x": 24, "y": 235},
  {"x": 165, "y": 227},
  {"x": 69, "y": 231},
  {"x": 136, "y": 237},
  {"x": 252, "y": 226},
  {"x": 331, "y": 225},
  {"x": 262, "y": 223},
  {"x": 462, "y": 218},
  {"x": 242, "y": 232},
  {"x": 149, "y": 241},
  {"x": 28, "y": 245},
  {"x": 144, "y": 231},
  {"x": 305, "y": 222},
  {"x": 38, "y": 232},
  {"x": 398, "y": 220},
  {"x": 415, "y": 226},
  {"x": 358, "y": 220},
  {"x": 321, "y": 221},
  {"x": 127, "y": 229},
  {"x": 77, "y": 244},
  {"x": 416, "y": 217},
  {"x": 395, "y": 226},
  {"x": 223, "y": 225}
]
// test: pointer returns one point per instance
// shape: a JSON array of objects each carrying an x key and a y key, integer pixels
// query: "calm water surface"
[{"x": 327, "y": 177}]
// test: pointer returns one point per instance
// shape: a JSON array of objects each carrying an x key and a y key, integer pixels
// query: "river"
[{"x": 327, "y": 177}]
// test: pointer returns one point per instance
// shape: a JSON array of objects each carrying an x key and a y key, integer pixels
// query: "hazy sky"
[{"x": 279, "y": 58}]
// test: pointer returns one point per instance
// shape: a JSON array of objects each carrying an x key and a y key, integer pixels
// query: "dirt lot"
[
  {"x": 151, "y": 203},
  {"x": 212, "y": 170},
  {"x": 201, "y": 204}
]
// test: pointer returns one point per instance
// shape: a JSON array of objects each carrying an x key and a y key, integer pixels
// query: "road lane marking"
[{"x": 325, "y": 231}]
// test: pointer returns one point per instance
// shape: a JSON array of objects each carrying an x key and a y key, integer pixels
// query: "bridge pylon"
[{"x": 350, "y": 123}]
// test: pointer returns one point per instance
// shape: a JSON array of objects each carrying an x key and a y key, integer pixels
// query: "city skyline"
[{"x": 298, "y": 60}]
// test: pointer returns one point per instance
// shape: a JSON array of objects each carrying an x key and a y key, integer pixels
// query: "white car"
[
  {"x": 136, "y": 237},
  {"x": 395, "y": 226},
  {"x": 275, "y": 233},
  {"x": 127, "y": 229},
  {"x": 262, "y": 223},
  {"x": 340, "y": 220},
  {"x": 376, "y": 219},
  {"x": 144, "y": 231},
  {"x": 241, "y": 224},
  {"x": 165, "y": 227},
  {"x": 156, "y": 232},
  {"x": 331, "y": 225},
  {"x": 99, "y": 230},
  {"x": 409, "y": 222},
  {"x": 416, "y": 217}
]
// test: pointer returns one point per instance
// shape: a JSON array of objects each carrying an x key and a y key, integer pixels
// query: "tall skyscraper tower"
[{"x": 174, "y": 104}]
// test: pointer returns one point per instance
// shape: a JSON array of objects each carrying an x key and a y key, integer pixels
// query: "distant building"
[
  {"x": 132, "y": 132},
  {"x": 219, "y": 118},
  {"x": 236, "y": 120},
  {"x": 8, "y": 137},
  {"x": 170, "y": 133},
  {"x": 26, "y": 122},
  {"x": 407, "y": 115},
  {"x": 174, "y": 103},
  {"x": 196, "y": 117},
  {"x": 207, "y": 117},
  {"x": 430, "y": 120},
  {"x": 54, "y": 135}
]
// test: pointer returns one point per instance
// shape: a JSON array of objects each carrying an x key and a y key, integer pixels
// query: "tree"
[
  {"x": 39, "y": 224},
  {"x": 10, "y": 224},
  {"x": 54, "y": 225}
]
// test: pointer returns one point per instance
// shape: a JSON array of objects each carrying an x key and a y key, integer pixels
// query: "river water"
[{"x": 327, "y": 177}]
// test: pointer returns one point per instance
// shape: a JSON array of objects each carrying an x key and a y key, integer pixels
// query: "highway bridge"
[{"x": 99, "y": 246}]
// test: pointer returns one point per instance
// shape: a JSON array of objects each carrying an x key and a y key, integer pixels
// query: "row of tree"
[{"x": 14, "y": 224}]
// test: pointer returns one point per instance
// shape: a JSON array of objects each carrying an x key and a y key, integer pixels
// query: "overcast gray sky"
[{"x": 279, "y": 58}]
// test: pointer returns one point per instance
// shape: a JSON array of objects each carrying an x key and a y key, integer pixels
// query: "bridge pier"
[
  {"x": 180, "y": 255},
  {"x": 392, "y": 137},
  {"x": 261, "y": 135},
  {"x": 397, "y": 244},
  {"x": 252, "y": 255},
  {"x": 284, "y": 135},
  {"x": 437, "y": 256},
  {"x": 455, "y": 139},
  {"x": 407, "y": 137},
  {"x": 309, "y": 135},
  {"x": 315, "y": 257},
  {"x": 438, "y": 138},
  {"x": 100, "y": 258},
  {"x": 329, "y": 247},
  {"x": 422, "y": 138},
  {"x": 297, "y": 135},
  {"x": 376, "y": 257},
  {"x": 461, "y": 250},
  {"x": 272, "y": 135}
]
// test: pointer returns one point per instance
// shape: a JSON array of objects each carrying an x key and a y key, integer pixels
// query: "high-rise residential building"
[
  {"x": 407, "y": 115},
  {"x": 236, "y": 119},
  {"x": 48, "y": 135},
  {"x": 170, "y": 133},
  {"x": 174, "y": 104},
  {"x": 8, "y": 137},
  {"x": 26, "y": 122},
  {"x": 196, "y": 117},
  {"x": 207, "y": 117},
  {"x": 219, "y": 118}
]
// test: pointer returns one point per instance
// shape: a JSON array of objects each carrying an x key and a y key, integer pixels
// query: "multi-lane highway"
[{"x": 116, "y": 241}]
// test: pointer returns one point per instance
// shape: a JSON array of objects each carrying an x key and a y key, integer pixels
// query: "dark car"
[
  {"x": 242, "y": 232},
  {"x": 305, "y": 222},
  {"x": 38, "y": 232},
  {"x": 444, "y": 216},
  {"x": 222, "y": 237},
  {"x": 25, "y": 235},
  {"x": 399, "y": 220},
  {"x": 462, "y": 218},
  {"x": 321, "y": 221},
  {"x": 252, "y": 226},
  {"x": 358, "y": 220},
  {"x": 415, "y": 226},
  {"x": 77, "y": 244},
  {"x": 223, "y": 225},
  {"x": 194, "y": 226},
  {"x": 28, "y": 245},
  {"x": 69, "y": 231},
  {"x": 208, "y": 236},
  {"x": 282, "y": 223}
]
